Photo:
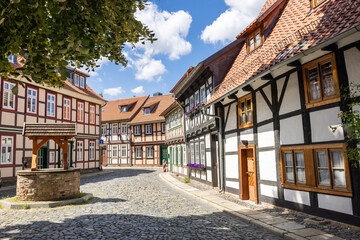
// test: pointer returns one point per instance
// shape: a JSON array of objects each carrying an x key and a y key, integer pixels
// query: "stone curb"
[
  {"x": 45, "y": 204},
  {"x": 277, "y": 231}
]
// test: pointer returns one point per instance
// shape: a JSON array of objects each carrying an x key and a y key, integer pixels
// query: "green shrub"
[{"x": 187, "y": 180}]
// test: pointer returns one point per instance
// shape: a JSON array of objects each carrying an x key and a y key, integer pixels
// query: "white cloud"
[
  {"x": 170, "y": 29},
  {"x": 113, "y": 91},
  {"x": 231, "y": 22},
  {"x": 138, "y": 90},
  {"x": 99, "y": 80},
  {"x": 149, "y": 69}
]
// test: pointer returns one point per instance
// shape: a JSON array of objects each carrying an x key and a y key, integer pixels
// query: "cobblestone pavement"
[{"x": 127, "y": 204}]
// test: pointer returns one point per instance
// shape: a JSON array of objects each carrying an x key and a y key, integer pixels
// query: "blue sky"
[{"x": 188, "y": 31}]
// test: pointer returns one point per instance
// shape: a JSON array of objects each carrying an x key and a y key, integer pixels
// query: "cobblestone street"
[{"x": 127, "y": 204}]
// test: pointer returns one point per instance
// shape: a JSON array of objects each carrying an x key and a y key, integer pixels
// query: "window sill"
[
  {"x": 337, "y": 192},
  {"x": 246, "y": 125},
  {"x": 322, "y": 103}
]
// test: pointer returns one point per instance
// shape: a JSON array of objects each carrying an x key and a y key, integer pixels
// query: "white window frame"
[
  {"x": 203, "y": 94},
  {"x": 138, "y": 152},
  {"x": 150, "y": 152},
  {"x": 202, "y": 153},
  {"x": 80, "y": 111},
  {"x": 67, "y": 104},
  {"x": 50, "y": 105},
  {"x": 123, "y": 147},
  {"x": 80, "y": 151},
  {"x": 9, "y": 159},
  {"x": 103, "y": 130},
  {"x": 82, "y": 82},
  {"x": 114, "y": 148},
  {"x": 197, "y": 153},
  {"x": 123, "y": 109},
  {"x": 162, "y": 127},
  {"x": 92, "y": 145},
  {"x": 148, "y": 129},
  {"x": 147, "y": 111},
  {"x": 76, "y": 80},
  {"x": 114, "y": 127},
  {"x": 32, "y": 98},
  {"x": 8, "y": 94},
  {"x": 137, "y": 130},
  {"x": 92, "y": 114},
  {"x": 192, "y": 102},
  {"x": 124, "y": 128},
  {"x": 51, "y": 157},
  {"x": 197, "y": 97}
]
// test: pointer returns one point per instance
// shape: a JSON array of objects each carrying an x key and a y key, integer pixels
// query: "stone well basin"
[{"x": 47, "y": 184}]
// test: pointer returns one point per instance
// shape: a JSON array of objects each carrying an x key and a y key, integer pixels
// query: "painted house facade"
[
  {"x": 193, "y": 90},
  {"x": 115, "y": 129},
  {"x": 174, "y": 138},
  {"x": 76, "y": 102},
  {"x": 148, "y": 132},
  {"x": 281, "y": 105}
]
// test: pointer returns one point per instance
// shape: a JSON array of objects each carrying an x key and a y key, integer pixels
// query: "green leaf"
[{"x": 15, "y": 90}]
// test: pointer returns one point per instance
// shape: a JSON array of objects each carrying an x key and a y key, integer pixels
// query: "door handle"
[{"x": 247, "y": 173}]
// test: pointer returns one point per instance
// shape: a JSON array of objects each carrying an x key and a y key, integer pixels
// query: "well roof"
[{"x": 49, "y": 129}]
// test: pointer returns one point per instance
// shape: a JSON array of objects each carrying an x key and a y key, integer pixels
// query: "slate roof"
[
  {"x": 298, "y": 28},
  {"x": 160, "y": 103},
  {"x": 47, "y": 129},
  {"x": 111, "y": 110}
]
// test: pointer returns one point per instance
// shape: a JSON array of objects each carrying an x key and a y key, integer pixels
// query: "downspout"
[{"x": 221, "y": 169}]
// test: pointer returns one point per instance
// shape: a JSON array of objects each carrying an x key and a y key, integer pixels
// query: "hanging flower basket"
[{"x": 196, "y": 166}]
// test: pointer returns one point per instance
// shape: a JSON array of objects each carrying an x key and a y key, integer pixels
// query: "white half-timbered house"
[
  {"x": 115, "y": 130},
  {"x": 76, "y": 102},
  {"x": 281, "y": 105}
]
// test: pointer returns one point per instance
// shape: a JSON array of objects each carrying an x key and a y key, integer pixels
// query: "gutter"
[{"x": 291, "y": 59}]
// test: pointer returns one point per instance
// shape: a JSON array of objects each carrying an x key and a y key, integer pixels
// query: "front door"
[
  {"x": 248, "y": 187},
  {"x": 43, "y": 157},
  {"x": 164, "y": 154},
  {"x": 103, "y": 156},
  {"x": 214, "y": 156}
]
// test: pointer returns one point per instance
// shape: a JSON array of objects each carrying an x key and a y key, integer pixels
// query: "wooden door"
[
  {"x": 214, "y": 157},
  {"x": 248, "y": 185},
  {"x": 43, "y": 158},
  {"x": 103, "y": 156}
]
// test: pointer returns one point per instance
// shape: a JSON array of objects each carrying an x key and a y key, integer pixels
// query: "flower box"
[{"x": 196, "y": 166}]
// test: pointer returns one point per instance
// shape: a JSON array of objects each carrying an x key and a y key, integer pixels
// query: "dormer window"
[
  {"x": 254, "y": 40},
  {"x": 82, "y": 82},
  {"x": 315, "y": 3},
  {"x": 147, "y": 111},
  {"x": 13, "y": 59},
  {"x": 123, "y": 109},
  {"x": 76, "y": 80}
]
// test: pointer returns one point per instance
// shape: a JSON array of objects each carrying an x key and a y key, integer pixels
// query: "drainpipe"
[{"x": 221, "y": 169}]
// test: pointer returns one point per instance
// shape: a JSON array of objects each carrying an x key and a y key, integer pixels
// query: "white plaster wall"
[
  {"x": 266, "y": 136},
  {"x": 269, "y": 191},
  {"x": 231, "y": 119},
  {"x": 352, "y": 62},
  {"x": 247, "y": 135},
  {"x": 297, "y": 196},
  {"x": 291, "y": 130},
  {"x": 232, "y": 184},
  {"x": 267, "y": 165},
  {"x": 291, "y": 101},
  {"x": 230, "y": 143},
  {"x": 232, "y": 166},
  {"x": 262, "y": 109},
  {"x": 209, "y": 176},
  {"x": 335, "y": 203},
  {"x": 207, "y": 140},
  {"x": 320, "y": 122}
]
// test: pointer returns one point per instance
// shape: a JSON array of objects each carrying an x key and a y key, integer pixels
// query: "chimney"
[{"x": 157, "y": 94}]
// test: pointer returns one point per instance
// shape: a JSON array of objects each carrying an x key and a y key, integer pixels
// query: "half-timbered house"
[
  {"x": 281, "y": 103},
  {"x": 76, "y": 102},
  {"x": 115, "y": 131},
  {"x": 148, "y": 132}
]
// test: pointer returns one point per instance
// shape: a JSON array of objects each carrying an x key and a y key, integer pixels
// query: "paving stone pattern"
[{"x": 127, "y": 204}]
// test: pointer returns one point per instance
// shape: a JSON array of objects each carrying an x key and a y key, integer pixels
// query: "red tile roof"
[
  {"x": 298, "y": 28},
  {"x": 111, "y": 110},
  {"x": 160, "y": 103}
]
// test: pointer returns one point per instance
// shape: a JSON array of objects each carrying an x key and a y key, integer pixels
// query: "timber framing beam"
[{"x": 267, "y": 77}]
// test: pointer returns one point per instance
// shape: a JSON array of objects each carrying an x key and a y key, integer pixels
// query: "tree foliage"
[
  {"x": 52, "y": 34},
  {"x": 351, "y": 122}
]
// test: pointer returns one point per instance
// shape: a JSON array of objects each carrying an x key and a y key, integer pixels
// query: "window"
[
  {"x": 123, "y": 151},
  {"x": 80, "y": 111},
  {"x": 92, "y": 114},
  {"x": 137, "y": 130},
  {"x": 123, "y": 109},
  {"x": 254, "y": 41},
  {"x": 192, "y": 153},
  {"x": 76, "y": 80},
  {"x": 245, "y": 111},
  {"x": 197, "y": 154},
  {"x": 197, "y": 98},
  {"x": 147, "y": 111},
  {"x": 13, "y": 59},
  {"x": 114, "y": 151},
  {"x": 317, "y": 168},
  {"x": 91, "y": 150},
  {"x": 315, "y": 3},
  {"x": 187, "y": 105},
  {"x": 138, "y": 152},
  {"x": 31, "y": 100},
  {"x": 162, "y": 127},
  {"x": 67, "y": 109},
  {"x": 7, "y": 146},
  {"x": 203, "y": 94},
  {"x": 148, "y": 129},
  {"x": 80, "y": 150},
  {"x": 50, "y": 104},
  {"x": 150, "y": 152},
  {"x": 321, "y": 82},
  {"x": 9, "y": 99},
  {"x": 103, "y": 129},
  {"x": 192, "y": 102},
  {"x": 115, "y": 128},
  {"x": 124, "y": 128},
  {"x": 82, "y": 82},
  {"x": 202, "y": 153},
  {"x": 51, "y": 157},
  {"x": 179, "y": 160}
]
